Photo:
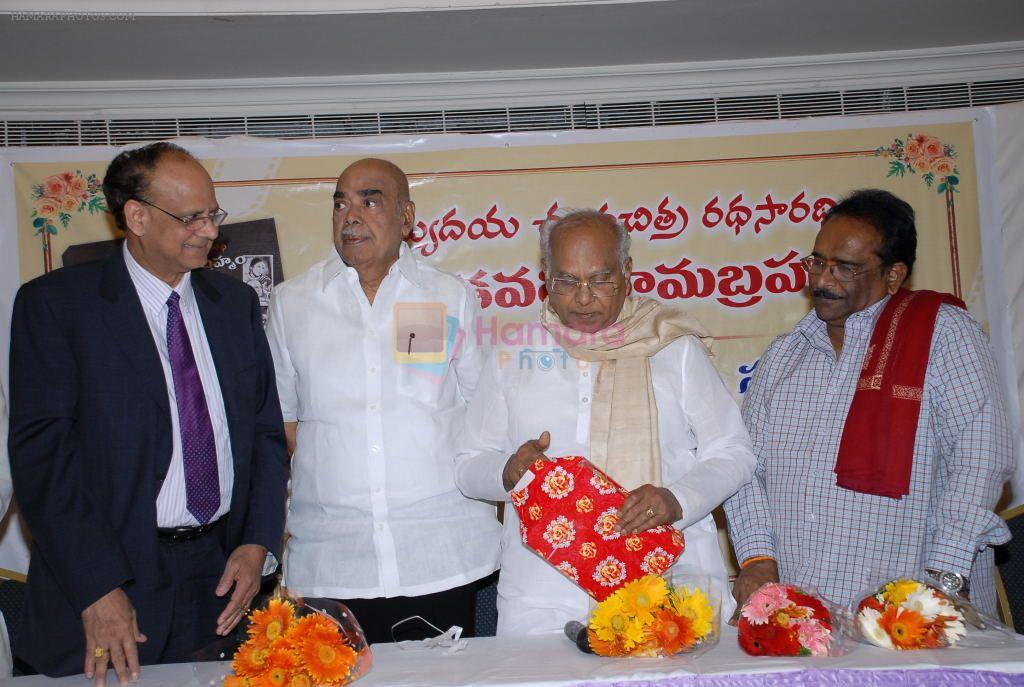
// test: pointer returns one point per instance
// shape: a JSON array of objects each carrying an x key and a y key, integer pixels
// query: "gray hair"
[{"x": 572, "y": 218}]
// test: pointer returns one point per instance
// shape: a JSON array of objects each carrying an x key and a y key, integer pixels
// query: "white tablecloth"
[{"x": 552, "y": 661}]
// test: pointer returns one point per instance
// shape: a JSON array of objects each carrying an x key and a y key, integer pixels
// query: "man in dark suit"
[{"x": 146, "y": 440}]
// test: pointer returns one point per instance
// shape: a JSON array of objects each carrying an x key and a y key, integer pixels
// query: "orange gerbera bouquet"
[
  {"x": 907, "y": 614},
  {"x": 300, "y": 644},
  {"x": 650, "y": 617}
]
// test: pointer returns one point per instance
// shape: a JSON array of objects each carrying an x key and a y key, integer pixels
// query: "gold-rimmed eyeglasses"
[
  {"x": 566, "y": 286},
  {"x": 192, "y": 222},
  {"x": 840, "y": 271}
]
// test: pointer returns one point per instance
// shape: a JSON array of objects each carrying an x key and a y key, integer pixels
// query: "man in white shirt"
[
  {"x": 376, "y": 363},
  {"x": 621, "y": 380},
  {"x": 146, "y": 441}
]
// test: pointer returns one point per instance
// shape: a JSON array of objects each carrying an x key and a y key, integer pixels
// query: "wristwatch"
[{"x": 950, "y": 583}]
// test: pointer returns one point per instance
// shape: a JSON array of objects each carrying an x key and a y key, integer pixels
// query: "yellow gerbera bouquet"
[{"x": 650, "y": 617}]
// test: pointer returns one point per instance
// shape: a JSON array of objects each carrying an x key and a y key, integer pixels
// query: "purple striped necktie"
[{"x": 198, "y": 448}]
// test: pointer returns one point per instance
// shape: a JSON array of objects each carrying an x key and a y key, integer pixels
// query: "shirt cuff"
[
  {"x": 756, "y": 559},
  {"x": 479, "y": 477},
  {"x": 754, "y": 545},
  {"x": 946, "y": 558},
  {"x": 269, "y": 564},
  {"x": 692, "y": 504}
]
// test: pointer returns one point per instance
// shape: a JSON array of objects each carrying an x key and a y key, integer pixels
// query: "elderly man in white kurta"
[
  {"x": 375, "y": 518},
  {"x": 634, "y": 391}
]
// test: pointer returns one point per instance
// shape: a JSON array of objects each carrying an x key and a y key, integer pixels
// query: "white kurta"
[
  {"x": 705, "y": 451},
  {"x": 374, "y": 510}
]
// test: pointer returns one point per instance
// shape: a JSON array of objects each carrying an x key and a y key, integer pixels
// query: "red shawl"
[{"x": 876, "y": 452}]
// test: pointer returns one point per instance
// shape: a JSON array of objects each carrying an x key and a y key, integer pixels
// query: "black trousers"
[
  {"x": 443, "y": 609},
  {"x": 196, "y": 567}
]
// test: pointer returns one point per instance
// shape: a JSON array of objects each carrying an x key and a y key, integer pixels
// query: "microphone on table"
[
  {"x": 577, "y": 633},
  {"x": 412, "y": 335}
]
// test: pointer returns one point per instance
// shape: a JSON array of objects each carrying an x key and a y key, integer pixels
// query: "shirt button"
[
  {"x": 372, "y": 332},
  {"x": 373, "y": 370},
  {"x": 585, "y": 399},
  {"x": 375, "y": 448},
  {"x": 373, "y": 406},
  {"x": 586, "y": 374}
]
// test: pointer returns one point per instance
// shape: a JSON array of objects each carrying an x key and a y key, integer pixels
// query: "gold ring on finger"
[
  {"x": 99, "y": 652},
  {"x": 649, "y": 512}
]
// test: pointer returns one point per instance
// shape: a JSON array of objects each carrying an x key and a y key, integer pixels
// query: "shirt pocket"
[{"x": 426, "y": 385}]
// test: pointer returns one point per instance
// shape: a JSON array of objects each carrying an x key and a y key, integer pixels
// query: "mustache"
[
  {"x": 350, "y": 234},
  {"x": 826, "y": 294}
]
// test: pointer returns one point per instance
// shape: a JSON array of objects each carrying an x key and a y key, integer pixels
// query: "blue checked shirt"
[{"x": 840, "y": 541}]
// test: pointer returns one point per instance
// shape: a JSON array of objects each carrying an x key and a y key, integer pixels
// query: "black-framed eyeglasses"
[
  {"x": 192, "y": 222},
  {"x": 566, "y": 286},
  {"x": 840, "y": 271}
]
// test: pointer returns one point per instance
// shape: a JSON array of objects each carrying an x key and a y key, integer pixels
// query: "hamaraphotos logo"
[{"x": 420, "y": 333}]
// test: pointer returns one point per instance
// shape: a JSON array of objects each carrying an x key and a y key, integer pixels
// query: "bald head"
[
  {"x": 372, "y": 216},
  {"x": 382, "y": 168}
]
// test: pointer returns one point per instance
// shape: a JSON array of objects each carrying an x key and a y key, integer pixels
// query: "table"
[{"x": 552, "y": 661}]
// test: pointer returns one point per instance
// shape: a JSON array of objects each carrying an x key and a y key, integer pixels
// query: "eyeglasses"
[
  {"x": 567, "y": 286},
  {"x": 192, "y": 222},
  {"x": 840, "y": 271}
]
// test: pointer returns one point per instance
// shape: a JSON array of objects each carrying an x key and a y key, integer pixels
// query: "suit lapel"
[{"x": 123, "y": 315}]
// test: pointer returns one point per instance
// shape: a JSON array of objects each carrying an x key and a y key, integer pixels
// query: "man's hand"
[
  {"x": 648, "y": 506},
  {"x": 111, "y": 634},
  {"x": 523, "y": 458},
  {"x": 243, "y": 570},
  {"x": 751, "y": 577}
]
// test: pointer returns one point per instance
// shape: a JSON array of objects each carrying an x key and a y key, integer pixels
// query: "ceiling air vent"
[{"x": 499, "y": 120}]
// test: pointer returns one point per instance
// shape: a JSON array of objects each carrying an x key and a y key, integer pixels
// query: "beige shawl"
[{"x": 624, "y": 416}]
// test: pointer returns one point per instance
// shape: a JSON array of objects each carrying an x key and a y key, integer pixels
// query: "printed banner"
[{"x": 718, "y": 225}]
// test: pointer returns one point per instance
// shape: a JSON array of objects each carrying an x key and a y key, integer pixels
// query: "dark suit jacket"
[{"x": 90, "y": 443}]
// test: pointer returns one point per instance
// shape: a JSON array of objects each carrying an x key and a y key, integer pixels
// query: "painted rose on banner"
[
  {"x": 58, "y": 197},
  {"x": 926, "y": 155}
]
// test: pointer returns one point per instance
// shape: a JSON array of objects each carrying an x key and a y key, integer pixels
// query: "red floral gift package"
[{"x": 568, "y": 510}]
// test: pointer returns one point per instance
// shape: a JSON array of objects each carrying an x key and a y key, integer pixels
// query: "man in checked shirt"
[{"x": 881, "y": 438}]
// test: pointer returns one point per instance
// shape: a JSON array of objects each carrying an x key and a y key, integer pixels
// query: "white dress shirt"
[
  {"x": 171, "y": 508},
  {"x": 706, "y": 456},
  {"x": 374, "y": 510}
]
